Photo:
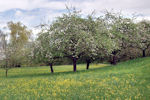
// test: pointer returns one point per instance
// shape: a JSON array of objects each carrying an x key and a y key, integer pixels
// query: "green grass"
[{"x": 128, "y": 80}]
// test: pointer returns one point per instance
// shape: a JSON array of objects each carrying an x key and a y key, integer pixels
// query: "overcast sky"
[{"x": 34, "y": 12}]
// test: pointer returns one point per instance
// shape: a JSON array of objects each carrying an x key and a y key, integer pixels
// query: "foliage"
[
  {"x": 110, "y": 36},
  {"x": 123, "y": 32},
  {"x": 13, "y": 45},
  {"x": 77, "y": 37},
  {"x": 19, "y": 33},
  {"x": 19, "y": 36},
  {"x": 143, "y": 36},
  {"x": 45, "y": 50}
]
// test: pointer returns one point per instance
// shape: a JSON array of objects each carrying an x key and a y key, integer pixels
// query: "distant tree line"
[{"x": 111, "y": 37}]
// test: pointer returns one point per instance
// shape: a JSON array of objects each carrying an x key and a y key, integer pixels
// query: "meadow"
[{"x": 128, "y": 80}]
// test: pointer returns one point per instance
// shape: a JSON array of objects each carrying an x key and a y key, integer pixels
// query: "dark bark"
[
  {"x": 51, "y": 67},
  {"x": 144, "y": 54},
  {"x": 87, "y": 64},
  {"x": 74, "y": 64},
  {"x": 114, "y": 60}
]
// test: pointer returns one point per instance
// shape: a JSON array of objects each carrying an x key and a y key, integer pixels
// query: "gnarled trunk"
[
  {"x": 144, "y": 54},
  {"x": 114, "y": 58},
  {"x": 51, "y": 67},
  {"x": 87, "y": 64},
  {"x": 74, "y": 64}
]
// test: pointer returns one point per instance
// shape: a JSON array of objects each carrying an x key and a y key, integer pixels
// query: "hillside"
[{"x": 127, "y": 80}]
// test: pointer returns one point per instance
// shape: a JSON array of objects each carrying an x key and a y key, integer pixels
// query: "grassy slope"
[{"x": 128, "y": 80}]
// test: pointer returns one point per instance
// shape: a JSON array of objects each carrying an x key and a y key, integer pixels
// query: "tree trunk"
[
  {"x": 51, "y": 67},
  {"x": 6, "y": 72},
  {"x": 114, "y": 60},
  {"x": 144, "y": 55},
  {"x": 87, "y": 64},
  {"x": 74, "y": 64}
]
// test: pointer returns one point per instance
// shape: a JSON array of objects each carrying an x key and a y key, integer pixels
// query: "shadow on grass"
[{"x": 58, "y": 73}]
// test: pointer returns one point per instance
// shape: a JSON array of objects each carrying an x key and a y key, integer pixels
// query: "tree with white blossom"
[
  {"x": 78, "y": 37},
  {"x": 143, "y": 36},
  {"x": 44, "y": 50},
  {"x": 122, "y": 31},
  {"x": 101, "y": 45}
]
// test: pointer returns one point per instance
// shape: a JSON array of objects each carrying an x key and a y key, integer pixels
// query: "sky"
[{"x": 34, "y": 12}]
